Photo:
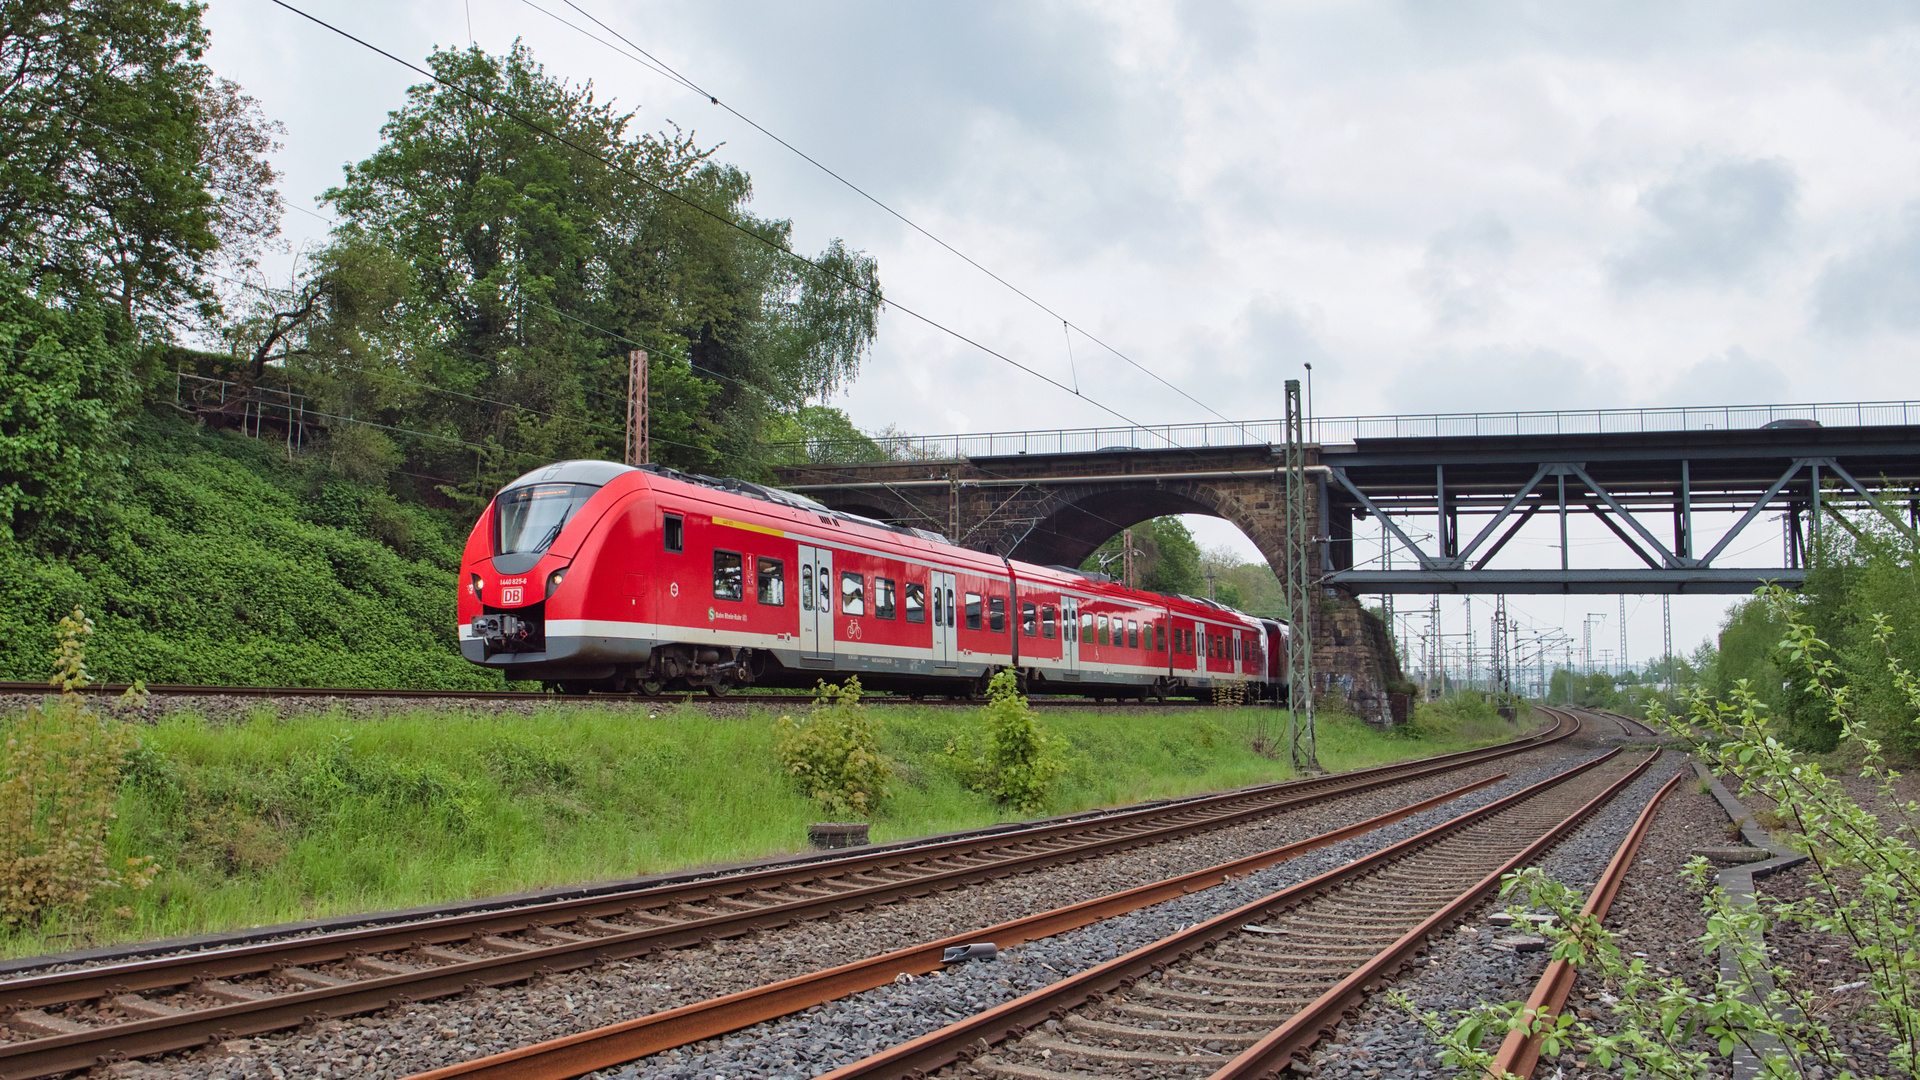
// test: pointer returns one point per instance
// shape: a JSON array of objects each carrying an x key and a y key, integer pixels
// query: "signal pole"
[
  {"x": 638, "y": 453},
  {"x": 1300, "y": 602}
]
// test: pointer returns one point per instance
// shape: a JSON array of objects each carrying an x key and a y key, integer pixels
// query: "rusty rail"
[
  {"x": 963, "y": 1039},
  {"x": 1518, "y": 1053}
]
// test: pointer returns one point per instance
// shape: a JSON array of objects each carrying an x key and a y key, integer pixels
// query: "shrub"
[
  {"x": 835, "y": 752},
  {"x": 1865, "y": 874},
  {"x": 60, "y": 771},
  {"x": 1021, "y": 761}
]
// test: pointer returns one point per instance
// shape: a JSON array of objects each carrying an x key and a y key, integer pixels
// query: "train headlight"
[
  {"x": 554, "y": 579},
  {"x": 474, "y": 585}
]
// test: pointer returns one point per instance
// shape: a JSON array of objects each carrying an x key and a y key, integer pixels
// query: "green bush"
[
  {"x": 835, "y": 752},
  {"x": 1021, "y": 760}
]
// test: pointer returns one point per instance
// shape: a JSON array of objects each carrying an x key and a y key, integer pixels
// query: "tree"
[
  {"x": 537, "y": 262},
  {"x": 64, "y": 387},
  {"x": 1169, "y": 559},
  {"x": 124, "y": 165}
]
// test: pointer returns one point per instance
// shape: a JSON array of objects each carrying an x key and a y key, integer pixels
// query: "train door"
[
  {"x": 816, "y": 603},
  {"x": 1070, "y": 635},
  {"x": 945, "y": 647}
]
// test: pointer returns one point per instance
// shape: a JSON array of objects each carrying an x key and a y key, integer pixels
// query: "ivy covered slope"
[{"x": 214, "y": 560}]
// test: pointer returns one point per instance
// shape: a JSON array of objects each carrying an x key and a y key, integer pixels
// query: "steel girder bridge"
[{"x": 1648, "y": 488}]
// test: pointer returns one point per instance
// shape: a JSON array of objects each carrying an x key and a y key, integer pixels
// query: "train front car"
[{"x": 531, "y": 604}]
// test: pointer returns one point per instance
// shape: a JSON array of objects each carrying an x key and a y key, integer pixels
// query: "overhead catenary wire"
[
  {"x": 655, "y": 64},
  {"x": 724, "y": 220}
]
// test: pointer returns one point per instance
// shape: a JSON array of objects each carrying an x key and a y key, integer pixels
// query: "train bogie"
[{"x": 589, "y": 574}]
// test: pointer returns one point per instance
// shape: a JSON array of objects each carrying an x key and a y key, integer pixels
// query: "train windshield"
[{"x": 529, "y": 519}]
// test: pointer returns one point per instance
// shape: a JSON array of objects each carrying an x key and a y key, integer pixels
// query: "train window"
[
  {"x": 1029, "y": 619},
  {"x": 1159, "y": 637},
  {"x": 949, "y": 608},
  {"x": 1133, "y": 634},
  {"x": 853, "y": 593},
  {"x": 916, "y": 597},
  {"x": 673, "y": 536},
  {"x": 1047, "y": 617},
  {"x": 937, "y": 609},
  {"x": 997, "y": 614},
  {"x": 772, "y": 581},
  {"x": 973, "y": 611},
  {"x": 882, "y": 598},
  {"x": 1101, "y": 622},
  {"x": 806, "y": 586},
  {"x": 727, "y": 583}
]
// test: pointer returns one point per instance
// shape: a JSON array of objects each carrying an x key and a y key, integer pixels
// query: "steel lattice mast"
[{"x": 1298, "y": 582}]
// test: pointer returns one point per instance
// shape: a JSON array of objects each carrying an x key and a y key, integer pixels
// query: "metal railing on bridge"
[{"x": 1346, "y": 429}]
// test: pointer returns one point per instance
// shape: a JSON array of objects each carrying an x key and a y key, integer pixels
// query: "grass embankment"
[{"x": 271, "y": 820}]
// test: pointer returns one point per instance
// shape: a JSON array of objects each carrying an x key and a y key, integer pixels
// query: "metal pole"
[
  {"x": 638, "y": 451},
  {"x": 1301, "y": 747}
]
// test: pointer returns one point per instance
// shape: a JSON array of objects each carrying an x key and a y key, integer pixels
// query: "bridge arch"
[{"x": 1069, "y": 523}]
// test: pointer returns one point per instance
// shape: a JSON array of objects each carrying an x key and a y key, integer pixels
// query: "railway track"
[
  {"x": 70, "y": 1020},
  {"x": 795, "y": 699},
  {"x": 1239, "y": 995}
]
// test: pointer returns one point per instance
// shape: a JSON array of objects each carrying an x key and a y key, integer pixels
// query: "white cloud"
[
  {"x": 1713, "y": 222},
  {"x": 1875, "y": 286}
]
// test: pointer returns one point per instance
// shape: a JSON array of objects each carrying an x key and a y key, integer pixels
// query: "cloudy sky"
[{"x": 1462, "y": 206}]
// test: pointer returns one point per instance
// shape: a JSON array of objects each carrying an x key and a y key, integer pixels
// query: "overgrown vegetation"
[
  {"x": 222, "y": 563},
  {"x": 1866, "y": 870},
  {"x": 835, "y": 752},
  {"x": 60, "y": 770}
]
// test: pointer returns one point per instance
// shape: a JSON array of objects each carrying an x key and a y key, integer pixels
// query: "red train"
[{"x": 590, "y": 575}]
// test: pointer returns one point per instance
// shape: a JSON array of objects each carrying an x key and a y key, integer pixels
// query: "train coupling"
[{"x": 504, "y": 633}]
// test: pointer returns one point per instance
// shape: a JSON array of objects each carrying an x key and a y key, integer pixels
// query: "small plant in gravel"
[
  {"x": 1866, "y": 891},
  {"x": 60, "y": 768},
  {"x": 1021, "y": 760},
  {"x": 835, "y": 752}
]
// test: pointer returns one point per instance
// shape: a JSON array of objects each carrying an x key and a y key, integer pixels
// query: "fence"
[{"x": 1347, "y": 429}]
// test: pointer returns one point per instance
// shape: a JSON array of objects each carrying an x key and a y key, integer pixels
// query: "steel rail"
[
  {"x": 616, "y": 1044},
  {"x": 659, "y": 920},
  {"x": 966, "y": 1038},
  {"x": 1519, "y": 1053}
]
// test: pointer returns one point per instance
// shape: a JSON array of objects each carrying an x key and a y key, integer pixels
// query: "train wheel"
[
  {"x": 1160, "y": 693},
  {"x": 718, "y": 688},
  {"x": 651, "y": 686}
]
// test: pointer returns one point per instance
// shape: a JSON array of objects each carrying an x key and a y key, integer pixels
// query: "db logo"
[
  {"x": 512, "y": 595},
  {"x": 673, "y": 589}
]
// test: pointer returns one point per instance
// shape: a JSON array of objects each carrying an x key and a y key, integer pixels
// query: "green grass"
[{"x": 274, "y": 819}]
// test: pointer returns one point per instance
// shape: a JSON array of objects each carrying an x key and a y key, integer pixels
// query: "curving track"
[
  {"x": 1239, "y": 995},
  {"x": 76, "y": 1019}
]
